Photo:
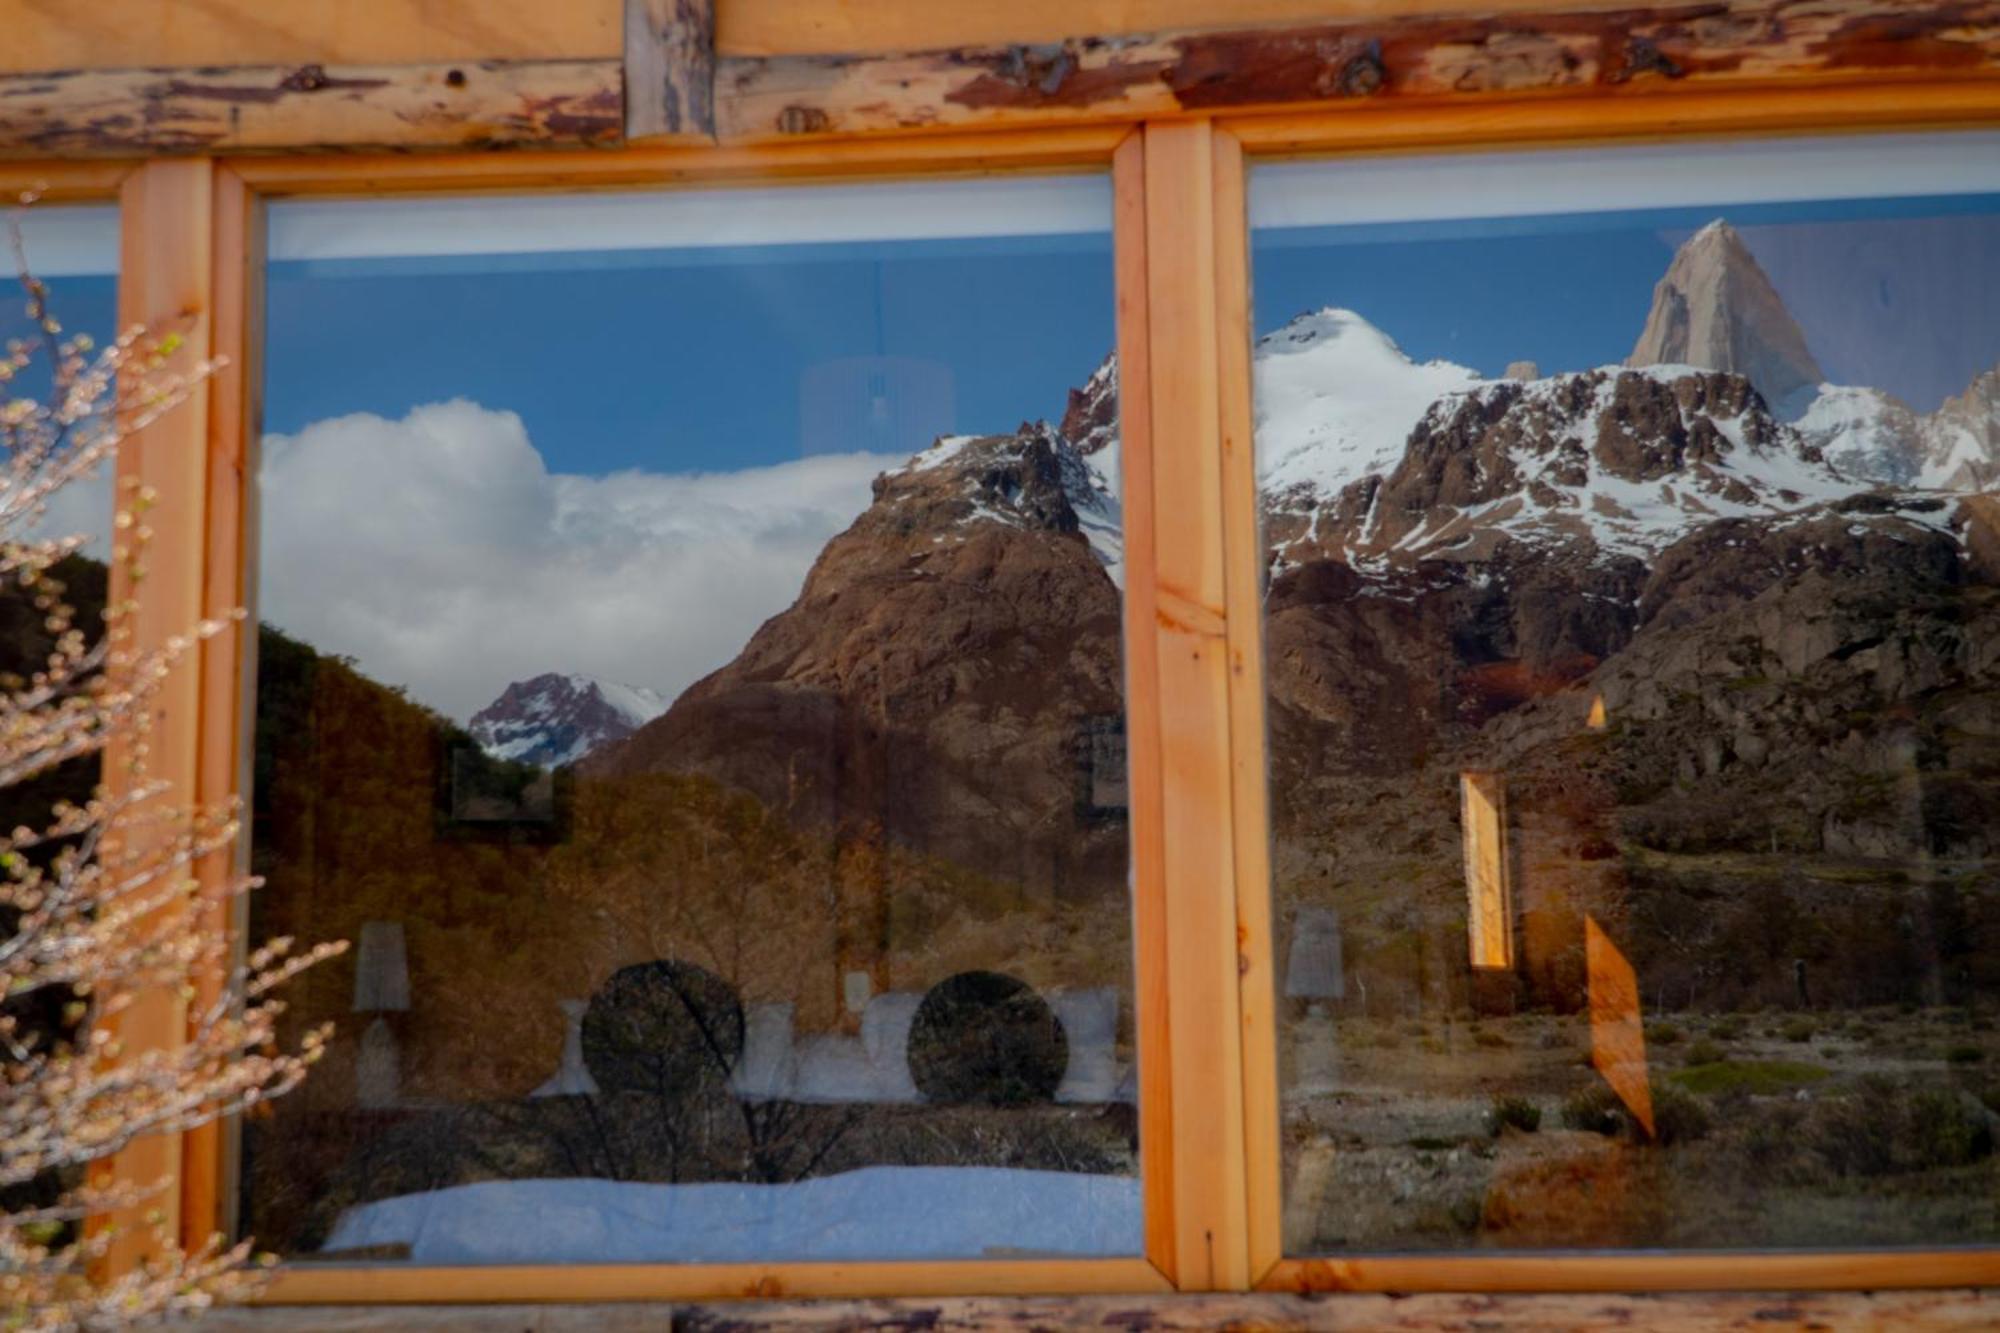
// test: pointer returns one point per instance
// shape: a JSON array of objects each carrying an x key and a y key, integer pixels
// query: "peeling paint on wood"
[
  {"x": 680, "y": 91},
  {"x": 468, "y": 104},
  {"x": 1401, "y": 59},
  {"x": 669, "y": 70},
  {"x": 1744, "y": 1312}
]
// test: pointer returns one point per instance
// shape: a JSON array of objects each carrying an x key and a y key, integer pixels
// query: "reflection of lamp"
[
  {"x": 572, "y": 1077},
  {"x": 1313, "y": 975},
  {"x": 381, "y": 986},
  {"x": 1489, "y": 902}
]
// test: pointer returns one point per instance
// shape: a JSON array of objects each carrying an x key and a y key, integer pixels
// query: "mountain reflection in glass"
[
  {"x": 690, "y": 671},
  {"x": 1633, "y": 644}
]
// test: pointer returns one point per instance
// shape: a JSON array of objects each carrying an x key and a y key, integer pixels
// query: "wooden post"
[
  {"x": 1243, "y": 563},
  {"x": 1182, "y": 741},
  {"x": 669, "y": 70},
  {"x": 227, "y": 660},
  {"x": 165, "y": 281}
]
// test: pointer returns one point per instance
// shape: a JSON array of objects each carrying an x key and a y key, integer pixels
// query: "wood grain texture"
[
  {"x": 487, "y": 104},
  {"x": 1827, "y": 1312},
  {"x": 1372, "y": 60},
  {"x": 1746, "y": 1271},
  {"x": 1189, "y": 620},
  {"x": 830, "y": 27},
  {"x": 1153, "y": 1009},
  {"x": 208, "y": 1161},
  {"x": 1527, "y": 122},
  {"x": 669, "y": 70},
  {"x": 1068, "y": 148},
  {"x": 311, "y": 1284},
  {"x": 126, "y": 34},
  {"x": 165, "y": 282},
  {"x": 1243, "y": 574},
  {"x": 1398, "y": 59}
]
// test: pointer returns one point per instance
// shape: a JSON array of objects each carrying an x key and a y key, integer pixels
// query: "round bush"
[
  {"x": 664, "y": 1027},
  {"x": 986, "y": 1038}
]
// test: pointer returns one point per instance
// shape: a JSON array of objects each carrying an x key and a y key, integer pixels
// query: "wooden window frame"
[{"x": 1210, "y": 1159}]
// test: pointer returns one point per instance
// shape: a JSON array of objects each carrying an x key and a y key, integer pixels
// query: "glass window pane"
[
  {"x": 691, "y": 675},
  {"x": 1632, "y": 630},
  {"x": 73, "y": 250}
]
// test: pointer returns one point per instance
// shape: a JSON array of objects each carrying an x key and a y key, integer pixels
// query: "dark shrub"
[
  {"x": 664, "y": 1027},
  {"x": 1595, "y": 1110},
  {"x": 1702, "y": 1051},
  {"x": 1884, "y": 1129},
  {"x": 1513, "y": 1113},
  {"x": 1678, "y": 1116},
  {"x": 986, "y": 1038}
]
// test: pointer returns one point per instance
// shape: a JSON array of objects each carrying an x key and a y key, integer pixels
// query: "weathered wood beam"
[
  {"x": 679, "y": 90},
  {"x": 1734, "y": 1312},
  {"x": 1402, "y": 59},
  {"x": 669, "y": 70},
  {"x": 469, "y": 104}
]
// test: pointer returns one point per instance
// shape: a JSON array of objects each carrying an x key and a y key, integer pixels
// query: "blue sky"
[
  {"x": 85, "y": 303},
  {"x": 620, "y": 462},
  {"x": 1895, "y": 294},
  {"x": 481, "y": 467},
  {"x": 698, "y": 359}
]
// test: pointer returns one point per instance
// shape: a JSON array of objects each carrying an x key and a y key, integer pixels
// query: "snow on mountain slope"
[
  {"x": 987, "y": 472},
  {"x": 556, "y": 719},
  {"x": 1864, "y": 432},
  {"x": 1631, "y": 458},
  {"x": 1337, "y": 399},
  {"x": 1961, "y": 440},
  {"x": 1369, "y": 457}
]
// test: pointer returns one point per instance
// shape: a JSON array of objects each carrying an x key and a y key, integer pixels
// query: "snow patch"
[{"x": 877, "y": 1212}]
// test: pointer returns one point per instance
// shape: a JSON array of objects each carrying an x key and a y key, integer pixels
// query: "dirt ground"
[{"x": 1773, "y": 1129}]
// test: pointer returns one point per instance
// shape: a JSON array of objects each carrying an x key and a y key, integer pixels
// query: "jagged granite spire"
[{"x": 1716, "y": 309}]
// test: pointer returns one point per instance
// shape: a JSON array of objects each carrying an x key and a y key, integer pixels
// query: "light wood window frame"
[{"x": 1210, "y": 1159}]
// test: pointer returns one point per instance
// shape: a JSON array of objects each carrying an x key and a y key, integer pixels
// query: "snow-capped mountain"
[
  {"x": 1366, "y": 454},
  {"x": 1034, "y": 478},
  {"x": 556, "y": 719},
  {"x": 1337, "y": 400}
]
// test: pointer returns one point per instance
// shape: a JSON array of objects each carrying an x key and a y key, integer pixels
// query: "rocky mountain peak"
[
  {"x": 1090, "y": 421},
  {"x": 1716, "y": 309},
  {"x": 1961, "y": 440},
  {"x": 557, "y": 718}
]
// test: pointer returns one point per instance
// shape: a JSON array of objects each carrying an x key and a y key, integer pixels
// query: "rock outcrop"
[
  {"x": 945, "y": 670},
  {"x": 1716, "y": 309}
]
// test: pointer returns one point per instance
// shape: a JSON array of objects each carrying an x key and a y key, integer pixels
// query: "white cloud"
[{"x": 441, "y": 554}]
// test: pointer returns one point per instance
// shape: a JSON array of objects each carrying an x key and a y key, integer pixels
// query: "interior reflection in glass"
[{"x": 690, "y": 673}]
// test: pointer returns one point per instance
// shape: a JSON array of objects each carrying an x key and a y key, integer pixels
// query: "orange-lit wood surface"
[
  {"x": 1190, "y": 619},
  {"x": 1489, "y": 915},
  {"x": 1243, "y": 557},
  {"x": 166, "y": 282},
  {"x": 225, "y": 662},
  {"x": 1617, "y": 1028},
  {"x": 1857, "y": 1271},
  {"x": 129, "y": 34},
  {"x": 308, "y": 1284},
  {"x": 1153, "y": 1002}
]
